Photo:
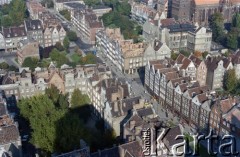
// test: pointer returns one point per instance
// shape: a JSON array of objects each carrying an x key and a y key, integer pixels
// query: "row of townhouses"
[
  {"x": 31, "y": 29},
  {"x": 178, "y": 35},
  {"x": 175, "y": 87},
  {"x": 10, "y": 140},
  {"x": 125, "y": 54}
]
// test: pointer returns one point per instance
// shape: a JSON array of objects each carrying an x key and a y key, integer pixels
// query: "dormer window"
[
  {"x": 8, "y": 35},
  {"x": 33, "y": 27},
  {"x": 15, "y": 34},
  {"x": 39, "y": 27}
]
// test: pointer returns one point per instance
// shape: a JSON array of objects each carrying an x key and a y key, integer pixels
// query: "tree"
[
  {"x": 185, "y": 53},
  {"x": 59, "y": 57},
  {"x": 174, "y": 55},
  {"x": 17, "y": 12},
  {"x": 236, "y": 20},
  {"x": 4, "y": 65},
  {"x": 230, "y": 80},
  {"x": 204, "y": 55},
  {"x": 59, "y": 46},
  {"x": 198, "y": 54},
  {"x": 66, "y": 14},
  {"x": 78, "y": 99},
  {"x": 6, "y": 21},
  {"x": 66, "y": 43},
  {"x": 217, "y": 26},
  {"x": 72, "y": 36},
  {"x": 232, "y": 39},
  {"x": 53, "y": 93},
  {"x": 90, "y": 58},
  {"x": 42, "y": 116},
  {"x": 30, "y": 62}
]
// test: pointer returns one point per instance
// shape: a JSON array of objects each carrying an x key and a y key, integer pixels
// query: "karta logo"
[{"x": 155, "y": 144}]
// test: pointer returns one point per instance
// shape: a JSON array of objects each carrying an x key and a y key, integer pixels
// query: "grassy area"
[{"x": 75, "y": 58}]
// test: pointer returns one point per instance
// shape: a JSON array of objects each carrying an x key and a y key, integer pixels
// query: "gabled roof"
[
  {"x": 195, "y": 60},
  {"x": 12, "y": 32},
  {"x": 180, "y": 58},
  {"x": 9, "y": 134},
  {"x": 169, "y": 138},
  {"x": 185, "y": 63}
]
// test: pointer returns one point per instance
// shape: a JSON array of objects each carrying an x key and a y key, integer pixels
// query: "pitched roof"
[
  {"x": 14, "y": 32},
  {"x": 197, "y": 90},
  {"x": 169, "y": 138},
  {"x": 185, "y": 63},
  {"x": 143, "y": 112},
  {"x": 195, "y": 60},
  {"x": 33, "y": 25},
  {"x": 226, "y": 105},
  {"x": 180, "y": 58},
  {"x": 122, "y": 107},
  {"x": 8, "y": 134}
]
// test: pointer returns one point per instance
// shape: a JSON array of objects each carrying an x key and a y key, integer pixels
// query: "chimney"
[{"x": 115, "y": 109}]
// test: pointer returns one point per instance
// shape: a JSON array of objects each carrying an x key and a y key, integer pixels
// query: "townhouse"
[
  {"x": 108, "y": 90},
  {"x": 10, "y": 141},
  {"x": 141, "y": 12},
  {"x": 35, "y": 9},
  {"x": 115, "y": 112},
  {"x": 87, "y": 24},
  {"x": 13, "y": 35},
  {"x": 219, "y": 110},
  {"x": 178, "y": 35},
  {"x": 215, "y": 73},
  {"x": 34, "y": 30},
  {"x": 125, "y": 54}
]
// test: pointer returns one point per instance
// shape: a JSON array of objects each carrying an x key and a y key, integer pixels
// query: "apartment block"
[
  {"x": 13, "y": 35},
  {"x": 125, "y": 54},
  {"x": 87, "y": 24}
]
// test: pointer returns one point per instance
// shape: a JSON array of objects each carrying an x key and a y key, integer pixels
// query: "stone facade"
[
  {"x": 27, "y": 48},
  {"x": 125, "y": 54},
  {"x": 87, "y": 24}
]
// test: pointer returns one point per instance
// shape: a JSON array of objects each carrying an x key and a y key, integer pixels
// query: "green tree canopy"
[
  {"x": 17, "y": 12},
  {"x": 59, "y": 57},
  {"x": 232, "y": 39},
  {"x": 4, "y": 65},
  {"x": 217, "y": 26},
  {"x": 66, "y": 14},
  {"x": 185, "y": 53},
  {"x": 174, "y": 55},
  {"x": 204, "y": 55},
  {"x": 42, "y": 116},
  {"x": 59, "y": 46},
  {"x": 236, "y": 20},
  {"x": 90, "y": 58},
  {"x": 72, "y": 36},
  {"x": 230, "y": 80},
  {"x": 78, "y": 99},
  {"x": 66, "y": 43},
  {"x": 31, "y": 62},
  {"x": 53, "y": 93}
]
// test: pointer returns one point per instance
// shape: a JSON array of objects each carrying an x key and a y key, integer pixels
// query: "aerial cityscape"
[{"x": 119, "y": 78}]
